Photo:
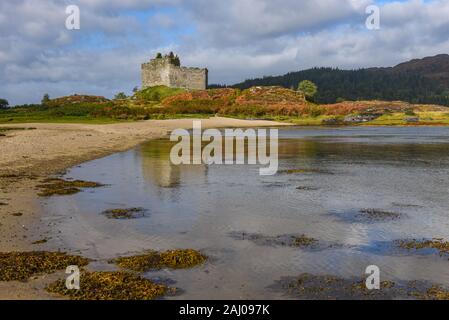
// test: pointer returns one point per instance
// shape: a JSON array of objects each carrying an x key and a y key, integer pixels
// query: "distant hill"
[{"x": 417, "y": 81}]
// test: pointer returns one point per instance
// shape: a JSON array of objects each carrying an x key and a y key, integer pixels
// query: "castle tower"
[{"x": 167, "y": 71}]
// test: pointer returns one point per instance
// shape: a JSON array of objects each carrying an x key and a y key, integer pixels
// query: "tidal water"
[{"x": 232, "y": 214}]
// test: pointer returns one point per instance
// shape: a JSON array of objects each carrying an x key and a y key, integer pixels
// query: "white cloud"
[{"x": 235, "y": 39}]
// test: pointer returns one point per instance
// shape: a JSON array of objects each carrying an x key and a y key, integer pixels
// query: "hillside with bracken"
[{"x": 272, "y": 102}]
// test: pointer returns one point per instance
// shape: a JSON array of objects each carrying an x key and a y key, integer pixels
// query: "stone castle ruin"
[{"x": 167, "y": 71}]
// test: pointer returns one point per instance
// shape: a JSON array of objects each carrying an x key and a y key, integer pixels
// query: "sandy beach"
[{"x": 28, "y": 156}]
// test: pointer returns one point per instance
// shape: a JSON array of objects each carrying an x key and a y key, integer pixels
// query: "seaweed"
[
  {"x": 125, "y": 214},
  {"x": 111, "y": 286},
  {"x": 366, "y": 215},
  {"x": 42, "y": 241},
  {"x": 303, "y": 241},
  {"x": 377, "y": 214},
  {"x": 153, "y": 260},
  {"x": 56, "y": 186},
  {"x": 310, "y": 170},
  {"x": 305, "y": 188},
  {"x": 287, "y": 240},
  {"x": 22, "y": 265},
  {"x": 329, "y": 287},
  {"x": 437, "y": 244}
]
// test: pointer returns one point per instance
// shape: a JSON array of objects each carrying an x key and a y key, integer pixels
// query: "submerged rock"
[
  {"x": 125, "y": 214},
  {"x": 376, "y": 214},
  {"x": 287, "y": 240}
]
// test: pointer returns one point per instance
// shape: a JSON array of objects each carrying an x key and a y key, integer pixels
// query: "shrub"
[
  {"x": 4, "y": 103},
  {"x": 120, "y": 96}
]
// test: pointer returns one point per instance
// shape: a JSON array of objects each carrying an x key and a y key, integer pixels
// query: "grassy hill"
[{"x": 274, "y": 102}]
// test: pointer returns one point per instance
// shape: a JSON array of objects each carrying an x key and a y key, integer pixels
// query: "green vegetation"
[
  {"x": 155, "y": 95},
  {"x": 4, "y": 103},
  {"x": 120, "y": 96},
  {"x": 20, "y": 266},
  {"x": 308, "y": 89},
  {"x": 425, "y": 118},
  {"x": 267, "y": 103},
  {"x": 153, "y": 260},
  {"x": 110, "y": 286},
  {"x": 420, "y": 81},
  {"x": 143, "y": 105}
]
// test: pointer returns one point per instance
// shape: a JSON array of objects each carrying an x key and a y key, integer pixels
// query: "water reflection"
[{"x": 404, "y": 170}]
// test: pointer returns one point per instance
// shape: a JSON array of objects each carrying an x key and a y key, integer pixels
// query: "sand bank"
[{"x": 28, "y": 156}]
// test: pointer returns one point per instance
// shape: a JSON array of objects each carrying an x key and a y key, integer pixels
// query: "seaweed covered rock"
[
  {"x": 21, "y": 266},
  {"x": 153, "y": 260},
  {"x": 125, "y": 214},
  {"x": 436, "y": 244},
  {"x": 55, "y": 186},
  {"x": 110, "y": 286}
]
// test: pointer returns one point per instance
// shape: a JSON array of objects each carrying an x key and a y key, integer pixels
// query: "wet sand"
[{"x": 28, "y": 156}]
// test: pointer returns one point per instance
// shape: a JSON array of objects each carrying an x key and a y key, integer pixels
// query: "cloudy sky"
[{"x": 234, "y": 39}]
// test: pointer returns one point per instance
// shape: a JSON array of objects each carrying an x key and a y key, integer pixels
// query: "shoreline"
[{"x": 29, "y": 156}]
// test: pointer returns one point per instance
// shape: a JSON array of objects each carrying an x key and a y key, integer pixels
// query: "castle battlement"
[{"x": 167, "y": 71}]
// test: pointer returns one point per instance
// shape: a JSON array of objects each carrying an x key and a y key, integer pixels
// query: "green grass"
[
  {"x": 309, "y": 121},
  {"x": 43, "y": 119},
  {"x": 157, "y": 94},
  {"x": 399, "y": 119},
  {"x": 147, "y": 105}
]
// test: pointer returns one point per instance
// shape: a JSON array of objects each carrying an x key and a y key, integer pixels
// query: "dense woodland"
[
  {"x": 418, "y": 81},
  {"x": 335, "y": 85}
]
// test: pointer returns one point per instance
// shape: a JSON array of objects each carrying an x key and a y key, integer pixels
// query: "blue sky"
[{"x": 234, "y": 39}]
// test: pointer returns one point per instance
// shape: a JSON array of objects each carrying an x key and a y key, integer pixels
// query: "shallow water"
[{"x": 400, "y": 170}]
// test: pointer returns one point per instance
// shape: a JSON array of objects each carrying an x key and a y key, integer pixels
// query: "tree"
[
  {"x": 46, "y": 98},
  {"x": 120, "y": 96},
  {"x": 135, "y": 89},
  {"x": 308, "y": 88},
  {"x": 159, "y": 55},
  {"x": 4, "y": 103}
]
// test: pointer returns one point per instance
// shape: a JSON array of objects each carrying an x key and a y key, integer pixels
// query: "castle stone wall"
[{"x": 163, "y": 72}]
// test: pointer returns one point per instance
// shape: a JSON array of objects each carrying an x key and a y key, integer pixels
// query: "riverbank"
[{"x": 29, "y": 156}]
